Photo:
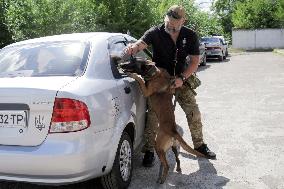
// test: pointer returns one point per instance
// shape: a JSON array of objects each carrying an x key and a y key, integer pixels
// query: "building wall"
[{"x": 258, "y": 39}]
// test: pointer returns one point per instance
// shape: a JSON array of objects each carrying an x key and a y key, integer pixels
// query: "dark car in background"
[
  {"x": 202, "y": 58},
  {"x": 215, "y": 47}
]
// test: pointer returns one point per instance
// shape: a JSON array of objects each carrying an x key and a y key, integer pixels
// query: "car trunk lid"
[{"x": 26, "y": 106}]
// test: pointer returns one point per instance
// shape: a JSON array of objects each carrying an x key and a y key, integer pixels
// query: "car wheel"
[
  {"x": 121, "y": 173},
  {"x": 203, "y": 63},
  {"x": 221, "y": 57},
  {"x": 227, "y": 53}
]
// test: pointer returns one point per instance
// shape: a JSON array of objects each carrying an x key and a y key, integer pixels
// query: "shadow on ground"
[
  {"x": 92, "y": 184},
  {"x": 213, "y": 61},
  {"x": 205, "y": 177}
]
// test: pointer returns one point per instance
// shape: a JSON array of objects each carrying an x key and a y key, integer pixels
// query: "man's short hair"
[{"x": 176, "y": 12}]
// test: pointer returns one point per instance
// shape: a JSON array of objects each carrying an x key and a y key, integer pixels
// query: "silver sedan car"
[
  {"x": 67, "y": 113},
  {"x": 215, "y": 47}
]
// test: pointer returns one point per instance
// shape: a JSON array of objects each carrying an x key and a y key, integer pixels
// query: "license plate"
[{"x": 13, "y": 118}]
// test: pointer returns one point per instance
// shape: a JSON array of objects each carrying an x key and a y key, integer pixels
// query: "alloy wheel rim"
[{"x": 125, "y": 160}]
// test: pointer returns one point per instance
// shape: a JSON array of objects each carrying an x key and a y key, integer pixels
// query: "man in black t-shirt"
[{"x": 172, "y": 43}]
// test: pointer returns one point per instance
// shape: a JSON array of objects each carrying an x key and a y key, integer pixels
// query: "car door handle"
[{"x": 127, "y": 90}]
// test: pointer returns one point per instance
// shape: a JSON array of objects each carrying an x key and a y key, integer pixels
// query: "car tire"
[
  {"x": 203, "y": 63},
  {"x": 121, "y": 173},
  {"x": 227, "y": 53},
  {"x": 221, "y": 57}
]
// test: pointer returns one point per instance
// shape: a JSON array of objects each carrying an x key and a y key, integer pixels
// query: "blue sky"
[{"x": 204, "y": 4}]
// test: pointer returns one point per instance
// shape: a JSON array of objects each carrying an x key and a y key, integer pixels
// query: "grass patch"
[
  {"x": 279, "y": 51},
  {"x": 234, "y": 50}
]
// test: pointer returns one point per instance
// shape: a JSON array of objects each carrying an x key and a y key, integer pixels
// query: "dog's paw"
[
  {"x": 161, "y": 180},
  {"x": 178, "y": 169},
  {"x": 133, "y": 75},
  {"x": 129, "y": 74}
]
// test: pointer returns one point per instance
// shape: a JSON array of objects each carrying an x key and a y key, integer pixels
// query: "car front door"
[{"x": 131, "y": 99}]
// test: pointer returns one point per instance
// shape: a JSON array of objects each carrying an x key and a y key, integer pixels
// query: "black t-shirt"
[{"x": 164, "y": 48}]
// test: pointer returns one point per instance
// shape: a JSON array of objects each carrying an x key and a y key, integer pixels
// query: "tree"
[
  {"x": 5, "y": 37},
  {"x": 27, "y": 19},
  {"x": 280, "y": 14},
  {"x": 253, "y": 14},
  {"x": 124, "y": 15},
  {"x": 35, "y": 18},
  {"x": 224, "y": 9},
  {"x": 203, "y": 23}
]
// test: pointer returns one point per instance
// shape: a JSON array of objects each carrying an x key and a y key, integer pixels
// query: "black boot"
[
  {"x": 206, "y": 151},
  {"x": 149, "y": 158}
]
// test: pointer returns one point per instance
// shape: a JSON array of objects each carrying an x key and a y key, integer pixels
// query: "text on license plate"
[{"x": 13, "y": 118}]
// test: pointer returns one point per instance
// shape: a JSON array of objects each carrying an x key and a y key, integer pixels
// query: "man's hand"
[
  {"x": 133, "y": 48},
  {"x": 177, "y": 84}
]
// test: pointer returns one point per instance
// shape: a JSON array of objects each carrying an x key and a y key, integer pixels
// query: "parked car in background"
[
  {"x": 202, "y": 49},
  {"x": 215, "y": 47},
  {"x": 67, "y": 114},
  {"x": 225, "y": 43}
]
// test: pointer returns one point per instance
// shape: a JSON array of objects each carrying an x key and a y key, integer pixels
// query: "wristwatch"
[{"x": 183, "y": 78}]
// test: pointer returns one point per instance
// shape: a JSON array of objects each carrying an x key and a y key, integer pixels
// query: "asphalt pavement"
[{"x": 242, "y": 106}]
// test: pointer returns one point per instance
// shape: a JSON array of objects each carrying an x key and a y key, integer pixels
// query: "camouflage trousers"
[{"x": 186, "y": 98}]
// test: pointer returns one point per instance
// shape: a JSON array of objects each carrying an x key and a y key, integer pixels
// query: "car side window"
[{"x": 116, "y": 48}]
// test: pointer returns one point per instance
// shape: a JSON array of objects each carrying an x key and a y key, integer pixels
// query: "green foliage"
[
  {"x": 224, "y": 9},
  {"x": 124, "y": 15},
  {"x": 202, "y": 22},
  {"x": 27, "y": 19},
  {"x": 280, "y": 14},
  {"x": 249, "y": 14},
  {"x": 5, "y": 37},
  {"x": 36, "y": 18},
  {"x": 254, "y": 14}
]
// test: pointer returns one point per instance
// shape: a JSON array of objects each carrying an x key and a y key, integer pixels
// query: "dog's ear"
[{"x": 117, "y": 60}]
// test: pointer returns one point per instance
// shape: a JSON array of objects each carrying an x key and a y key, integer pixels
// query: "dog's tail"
[{"x": 185, "y": 146}]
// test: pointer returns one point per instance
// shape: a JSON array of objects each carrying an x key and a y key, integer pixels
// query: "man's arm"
[
  {"x": 192, "y": 66},
  {"x": 133, "y": 48}
]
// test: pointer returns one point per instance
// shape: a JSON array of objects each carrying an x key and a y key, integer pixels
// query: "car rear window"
[
  {"x": 44, "y": 59},
  {"x": 210, "y": 40}
]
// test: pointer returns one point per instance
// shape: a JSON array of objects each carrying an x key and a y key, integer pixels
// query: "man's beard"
[{"x": 172, "y": 30}]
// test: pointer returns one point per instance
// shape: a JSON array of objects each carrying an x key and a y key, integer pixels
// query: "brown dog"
[{"x": 158, "y": 89}]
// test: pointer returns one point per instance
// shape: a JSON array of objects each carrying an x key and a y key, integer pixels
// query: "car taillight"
[{"x": 69, "y": 115}]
